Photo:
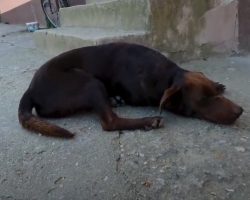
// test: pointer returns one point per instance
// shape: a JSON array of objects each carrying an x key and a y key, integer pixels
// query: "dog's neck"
[{"x": 177, "y": 77}]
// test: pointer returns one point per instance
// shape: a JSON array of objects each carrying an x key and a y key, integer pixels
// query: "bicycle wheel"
[
  {"x": 51, "y": 11},
  {"x": 64, "y": 3}
]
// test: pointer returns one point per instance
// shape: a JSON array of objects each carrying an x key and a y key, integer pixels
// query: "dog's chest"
[{"x": 134, "y": 92}]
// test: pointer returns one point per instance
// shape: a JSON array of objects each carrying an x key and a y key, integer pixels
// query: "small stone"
[
  {"x": 175, "y": 186},
  {"x": 106, "y": 178},
  {"x": 145, "y": 163},
  {"x": 222, "y": 142},
  {"x": 243, "y": 139},
  {"x": 183, "y": 168},
  {"x": 213, "y": 193},
  {"x": 229, "y": 190},
  {"x": 147, "y": 184},
  {"x": 141, "y": 155},
  {"x": 240, "y": 149}
]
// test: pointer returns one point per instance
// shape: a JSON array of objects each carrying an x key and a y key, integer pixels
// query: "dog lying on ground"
[{"x": 85, "y": 78}]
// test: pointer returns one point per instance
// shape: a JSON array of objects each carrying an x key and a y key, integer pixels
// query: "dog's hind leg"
[{"x": 111, "y": 121}]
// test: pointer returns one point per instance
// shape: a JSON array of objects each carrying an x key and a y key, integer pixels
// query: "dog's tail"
[{"x": 33, "y": 123}]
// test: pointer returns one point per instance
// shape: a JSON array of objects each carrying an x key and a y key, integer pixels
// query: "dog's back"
[{"x": 83, "y": 79}]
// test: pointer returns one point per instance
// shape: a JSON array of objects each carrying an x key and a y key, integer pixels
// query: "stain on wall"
[
  {"x": 177, "y": 26},
  {"x": 221, "y": 27}
]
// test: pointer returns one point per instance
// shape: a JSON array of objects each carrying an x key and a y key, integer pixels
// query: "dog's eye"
[
  {"x": 204, "y": 98},
  {"x": 207, "y": 94}
]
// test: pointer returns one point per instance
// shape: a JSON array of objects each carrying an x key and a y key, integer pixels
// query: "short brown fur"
[{"x": 84, "y": 79}]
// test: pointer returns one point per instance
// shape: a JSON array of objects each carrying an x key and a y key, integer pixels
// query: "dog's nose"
[{"x": 238, "y": 111}]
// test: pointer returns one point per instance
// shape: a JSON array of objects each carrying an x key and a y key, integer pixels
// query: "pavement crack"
[
  {"x": 51, "y": 190},
  {"x": 117, "y": 150},
  {"x": 131, "y": 185}
]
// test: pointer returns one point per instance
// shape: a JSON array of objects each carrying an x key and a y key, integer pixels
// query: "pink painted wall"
[
  {"x": 22, "y": 11},
  {"x": 7, "y": 5}
]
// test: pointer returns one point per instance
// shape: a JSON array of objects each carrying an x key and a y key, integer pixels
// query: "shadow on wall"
[
  {"x": 76, "y": 2},
  {"x": 244, "y": 27}
]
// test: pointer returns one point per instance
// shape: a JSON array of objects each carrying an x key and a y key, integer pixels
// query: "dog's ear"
[
  {"x": 220, "y": 88},
  {"x": 168, "y": 93}
]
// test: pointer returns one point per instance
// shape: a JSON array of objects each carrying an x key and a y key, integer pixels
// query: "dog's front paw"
[{"x": 154, "y": 123}]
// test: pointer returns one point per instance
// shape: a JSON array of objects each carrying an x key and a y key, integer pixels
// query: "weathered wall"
[
  {"x": 193, "y": 28},
  {"x": 95, "y": 1},
  {"x": 220, "y": 28}
]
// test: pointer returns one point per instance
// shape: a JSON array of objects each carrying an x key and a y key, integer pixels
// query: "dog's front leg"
[{"x": 111, "y": 122}]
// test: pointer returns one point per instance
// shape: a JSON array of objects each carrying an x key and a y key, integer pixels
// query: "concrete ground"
[{"x": 188, "y": 159}]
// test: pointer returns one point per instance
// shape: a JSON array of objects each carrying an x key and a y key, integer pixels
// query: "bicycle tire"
[
  {"x": 63, "y": 3},
  {"x": 51, "y": 12}
]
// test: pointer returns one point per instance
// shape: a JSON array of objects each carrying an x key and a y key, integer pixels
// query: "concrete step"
[
  {"x": 95, "y": 1},
  {"x": 55, "y": 41},
  {"x": 115, "y": 14}
]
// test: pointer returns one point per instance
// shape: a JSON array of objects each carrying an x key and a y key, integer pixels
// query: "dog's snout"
[
  {"x": 235, "y": 114},
  {"x": 238, "y": 111}
]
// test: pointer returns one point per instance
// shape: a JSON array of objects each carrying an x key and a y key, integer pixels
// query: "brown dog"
[{"x": 84, "y": 79}]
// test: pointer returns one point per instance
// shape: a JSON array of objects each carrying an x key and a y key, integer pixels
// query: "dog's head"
[{"x": 195, "y": 95}]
